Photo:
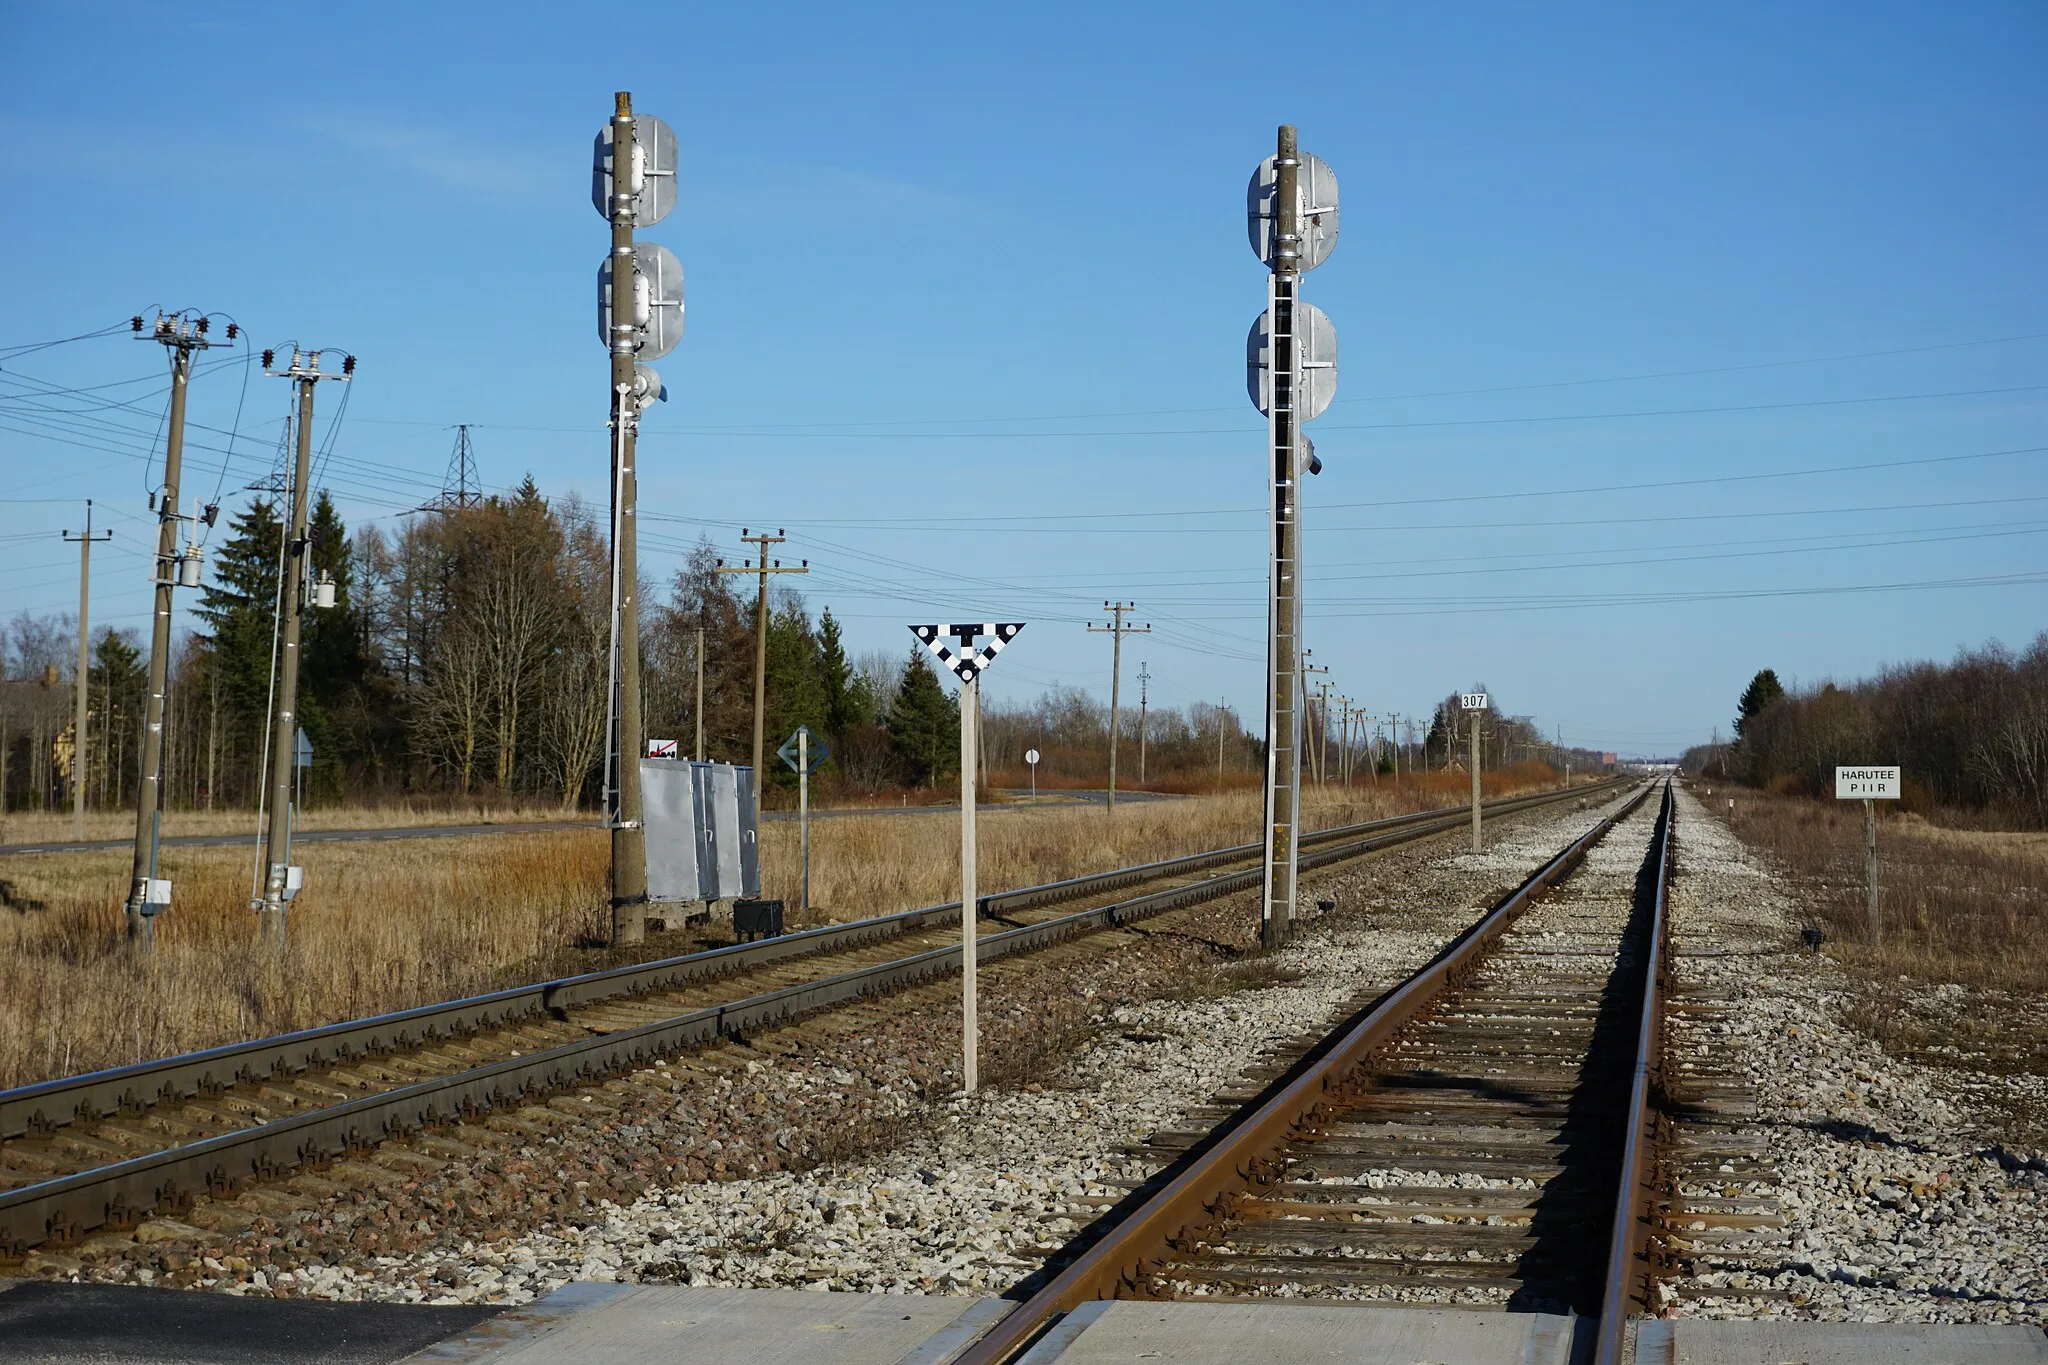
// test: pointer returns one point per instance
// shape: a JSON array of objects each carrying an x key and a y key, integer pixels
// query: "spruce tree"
[
  {"x": 1763, "y": 689},
  {"x": 236, "y": 610},
  {"x": 925, "y": 722},
  {"x": 835, "y": 677}
]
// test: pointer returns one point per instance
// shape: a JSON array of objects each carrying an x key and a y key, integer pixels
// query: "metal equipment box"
[{"x": 701, "y": 840}]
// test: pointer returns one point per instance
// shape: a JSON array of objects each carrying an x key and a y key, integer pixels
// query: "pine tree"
[
  {"x": 925, "y": 722},
  {"x": 115, "y": 685}
]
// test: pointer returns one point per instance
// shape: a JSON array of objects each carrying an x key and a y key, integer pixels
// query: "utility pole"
[
  {"x": 1319, "y": 757},
  {"x": 1144, "y": 690},
  {"x": 1116, "y": 630},
  {"x": 182, "y": 337},
  {"x": 278, "y": 889},
  {"x": 1219, "y": 743},
  {"x": 700, "y": 695},
  {"x": 639, "y": 314},
  {"x": 1394, "y": 733},
  {"x": 763, "y": 569},
  {"x": 78, "y": 752}
]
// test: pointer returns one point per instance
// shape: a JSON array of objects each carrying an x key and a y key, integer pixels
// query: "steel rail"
[
  {"x": 49, "y": 1105},
  {"x": 1244, "y": 1156},
  {"x": 1635, "y": 1198},
  {"x": 69, "y": 1205}
]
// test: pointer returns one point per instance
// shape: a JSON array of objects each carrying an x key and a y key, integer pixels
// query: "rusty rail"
[
  {"x": 1627, "y": 1281},
  {"x": 1114, "y": 1266},
  {"x": 73, "y": 1204}
]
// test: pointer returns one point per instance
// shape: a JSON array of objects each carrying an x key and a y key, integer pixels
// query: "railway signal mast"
[
  {"x": 968, "y": 664},
  {"x": 1291, "y": 370},
  {"x": 639, "y": 315}
]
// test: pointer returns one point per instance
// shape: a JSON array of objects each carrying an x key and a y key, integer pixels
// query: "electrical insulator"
[
  {"x": 269, "y": 358},
  {"x": 203, "y": 325},
  {"x": 211, "y": 514},
  {"x": 348, "y": 364},
  {"x": 135, "y": 323},
  {"x": 233, "y": 331},
  {"x": 188, "y": 567}
]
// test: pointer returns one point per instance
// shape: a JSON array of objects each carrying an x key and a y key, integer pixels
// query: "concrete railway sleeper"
[
  {"x": 1486, "y": 1134},
  {"x": 108, "y": 1149}
]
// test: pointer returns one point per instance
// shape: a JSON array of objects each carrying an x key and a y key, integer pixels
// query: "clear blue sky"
[{"x": 968, "y": 291}]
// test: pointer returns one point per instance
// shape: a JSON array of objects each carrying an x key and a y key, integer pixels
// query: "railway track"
[
  {"x": 110, "y": 1148},
  {"x": 1485, "y": 1134}
]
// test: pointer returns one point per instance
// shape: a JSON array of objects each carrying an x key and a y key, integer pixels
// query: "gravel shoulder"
[
  {"x": 1904, "y": 1198},
  {"x": 834, "y": 1154}
]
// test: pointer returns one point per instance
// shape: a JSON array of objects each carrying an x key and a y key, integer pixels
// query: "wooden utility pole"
[
  {"x": 79, "y": 761},
  {"x": 763, "y": 569},
  {"x": 1116, "y": 630}
]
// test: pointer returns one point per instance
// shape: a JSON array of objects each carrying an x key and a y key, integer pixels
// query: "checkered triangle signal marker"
[{"x": 967, "y": 662}]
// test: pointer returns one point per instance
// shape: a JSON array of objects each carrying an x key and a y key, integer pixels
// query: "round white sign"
[{"x": 1031, "y": 757}]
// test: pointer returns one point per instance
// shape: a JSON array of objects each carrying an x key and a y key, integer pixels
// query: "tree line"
[
  {"x": 466, "y": 656},
  {"x": 1970, "y": 735}
]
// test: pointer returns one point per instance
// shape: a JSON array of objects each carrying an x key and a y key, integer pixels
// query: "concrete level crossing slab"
[
  {"x": 620, "y": 1324},
  {"x": 1299, "y": 1333},
  {"x": 1764, "y": 1341}
]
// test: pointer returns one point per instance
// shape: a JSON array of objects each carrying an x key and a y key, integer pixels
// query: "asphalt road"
[
  {"x": 127, "y": 1325},
  {"x": 350, "y": 836}
]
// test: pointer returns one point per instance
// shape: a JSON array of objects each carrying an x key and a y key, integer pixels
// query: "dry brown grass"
[
  {"x": 393, "y": 925},
  {"x": 35, "y": 827},
  {"x": 1963, "y": 907}
]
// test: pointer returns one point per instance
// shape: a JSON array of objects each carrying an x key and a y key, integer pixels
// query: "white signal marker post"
[
  {"x": 968, "y": 665},
  {"x": 1868, "y": 785},
  {"x": 1031, "y": 757},
  {"x": 1473, "y": 704}
]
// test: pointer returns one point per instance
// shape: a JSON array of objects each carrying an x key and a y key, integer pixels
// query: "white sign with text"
[
  {"x": 1866, "y": 784},
  {"x": 1472, "y": 701}
]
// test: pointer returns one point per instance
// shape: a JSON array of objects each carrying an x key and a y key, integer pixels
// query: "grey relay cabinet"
[{"x": 701, "y": 840}]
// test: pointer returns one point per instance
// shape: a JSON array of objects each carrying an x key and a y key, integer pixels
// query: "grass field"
[
  {"x": 388, "y": 926},
  {"x": 35, "y": 827}
]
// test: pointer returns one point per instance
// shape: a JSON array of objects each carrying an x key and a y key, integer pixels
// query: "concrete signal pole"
[
  {"x": 80, "y": 761},
  {"x": 147, "y": 897},
  {"x": 640, "y": 317},
  {"x": 763, "y": 569},
  {"x": 1291, "y": 359},
  {"x": 1474, "y": 704},
  {"x": 1116, "y": 630},
  {"x": 305, "y": 374}
]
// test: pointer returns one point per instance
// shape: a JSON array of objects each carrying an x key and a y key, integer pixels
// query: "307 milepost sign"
[
  {"x": 1472, "y": 701},
  {"x": 1866, "y": 784}
]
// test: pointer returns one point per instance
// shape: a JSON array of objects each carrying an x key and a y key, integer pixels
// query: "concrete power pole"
[
  {"x": 1318, "y": 715},
  {"x": 1116, "y": 630},
  {"x": 79, "y": 760},
  {"x": 763, "y": 569},
  {"x": 1144, "y": 699},
  {"x": 182, "y": 337},
  {"x": 1219, "y": 743},
  {"x": 700, "y": 694},
  {"x": 278, "y": 890}
]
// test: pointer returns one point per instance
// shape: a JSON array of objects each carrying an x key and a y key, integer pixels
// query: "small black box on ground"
[{"x": 756, "y": 919}]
